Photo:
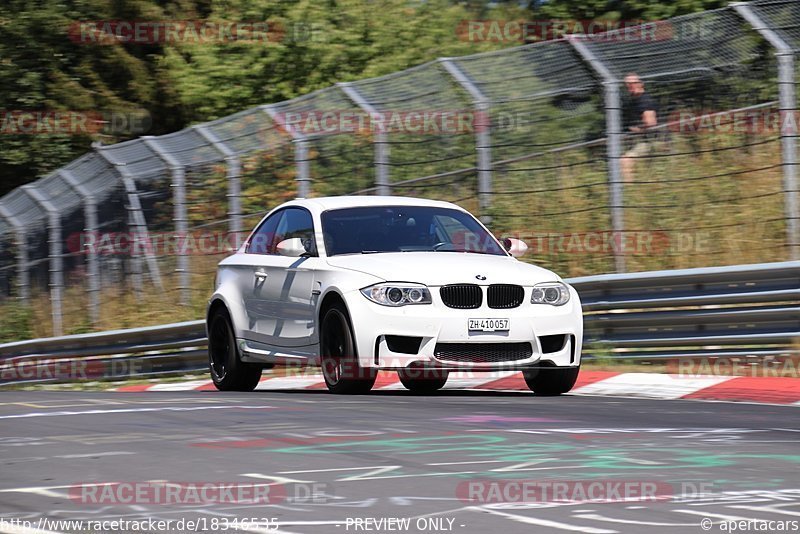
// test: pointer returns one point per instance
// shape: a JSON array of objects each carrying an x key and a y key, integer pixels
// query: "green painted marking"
[
  {"x": 426, "y": 445},
  {"x": 589, "y": 461}
]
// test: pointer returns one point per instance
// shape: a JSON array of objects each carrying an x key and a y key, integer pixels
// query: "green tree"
[
  {"x": 43, "y": 66},
  {"x": 319, "y": 43},
  {"x": 620, "y": 9}
]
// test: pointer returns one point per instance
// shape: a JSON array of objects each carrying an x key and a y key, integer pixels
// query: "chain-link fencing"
[{"x": 543, "y": 141}]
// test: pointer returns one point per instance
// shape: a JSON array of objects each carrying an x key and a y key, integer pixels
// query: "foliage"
[
  {"x": 17, "y": 323},
  {"x": 317, "y": 43},
  {"x": 43, "y": 69}
]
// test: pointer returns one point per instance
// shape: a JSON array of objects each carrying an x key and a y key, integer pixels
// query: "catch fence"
[{"x": 535, "y": 139}]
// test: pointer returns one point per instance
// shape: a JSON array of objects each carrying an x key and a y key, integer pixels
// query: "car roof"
[{"x": 353, "y": 201}]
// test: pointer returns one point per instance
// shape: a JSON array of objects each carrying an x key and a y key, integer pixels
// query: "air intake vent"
[
  {"x": 505, "y": 296},
  {"x": 552, "y": 343},
  {"x": 403, "y": 344},
  {"x": 462, "y": 296},
  {"x": 482, "y": 352}
]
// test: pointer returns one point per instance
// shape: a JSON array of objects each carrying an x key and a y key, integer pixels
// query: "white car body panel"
[
  {"x": 438, "y": 269},
  {"x": 275, "y": 317}
]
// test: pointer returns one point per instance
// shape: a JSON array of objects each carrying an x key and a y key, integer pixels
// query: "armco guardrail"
[
  {"x": 742, "y": 310},
  {"x": 737, "y": 311},
  {"x": 150, "y": 351}
]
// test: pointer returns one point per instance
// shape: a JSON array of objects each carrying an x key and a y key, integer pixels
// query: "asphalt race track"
[{"x": 451, "y": 462}]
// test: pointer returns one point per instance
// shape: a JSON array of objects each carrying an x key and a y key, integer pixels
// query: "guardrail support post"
[
  {"x": 483, "y": 143},
  {"x": 234, "y": 169},
  {"x": 613, "y": 108},
  {"x": 300, "y": 141},
  {"x": 789, "y": 134},
  {"x": 179, "y": 217},
  {"x": 21, "y": 236},
  {"x": 380, "y": 140},
  {"x": 56, "y": 263},
  {"x": 93, "y": 269}
]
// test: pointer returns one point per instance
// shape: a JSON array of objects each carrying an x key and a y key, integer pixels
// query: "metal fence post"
[
  {"x": 788, "y": 106},
  {"x": 234, "y": 172},
  {"x": 179, "y": 217},
  {"x": 138, "y": 225},
  {"x": 182, "y": 229},
  {"x": 380, "y": 139},
  {"x": 300, "y": 141},
  {"x": 483, "y": 142},
  {"x": 236, "y": 225},
  {"x": 93, "y": 269},
  {"x": 56, "y": 262},
  {"x": 301, "y": 163},
  {"x": 23, "y": 259},
  {"x": 21, "y": 236},
  {"x": 139, "y": 246},
  {"x": 613, "y": 109}
]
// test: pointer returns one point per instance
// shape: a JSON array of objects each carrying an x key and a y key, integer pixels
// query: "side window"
[
  {"x": 264, "y": 239},
  {"x": 297, "y": 222}
]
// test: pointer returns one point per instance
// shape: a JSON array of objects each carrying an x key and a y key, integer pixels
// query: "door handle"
[{"x": 261, "y": 275}]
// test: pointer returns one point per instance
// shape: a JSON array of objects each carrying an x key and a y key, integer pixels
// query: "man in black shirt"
[{"x": 646, "y": 118}]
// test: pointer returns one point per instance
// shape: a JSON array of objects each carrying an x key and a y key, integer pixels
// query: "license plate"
[{"x": 487, "y": 325}]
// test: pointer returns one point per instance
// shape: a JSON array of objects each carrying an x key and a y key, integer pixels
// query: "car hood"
[{"x": 441, "y": 268}]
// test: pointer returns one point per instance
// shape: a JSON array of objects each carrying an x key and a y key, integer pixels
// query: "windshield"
[{"x": 373, "y": 229}]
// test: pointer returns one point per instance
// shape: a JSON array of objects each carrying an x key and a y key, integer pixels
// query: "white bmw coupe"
[{"x": 361, "y": 284}]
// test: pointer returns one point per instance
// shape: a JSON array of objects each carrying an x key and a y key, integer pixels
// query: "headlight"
[
  {"x": 554, "y": 293},
  {"x": 389, "y": 294}
]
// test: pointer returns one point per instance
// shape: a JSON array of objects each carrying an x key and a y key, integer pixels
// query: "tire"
[
  {"x": 551, "y": 381},
  {"x": 340, "y": 367},
  {"x": 423, "y": 380},
  {"x": 228, "y": 372}
]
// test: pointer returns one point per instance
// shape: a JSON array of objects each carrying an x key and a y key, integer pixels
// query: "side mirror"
[
  {"x": 291, "y": 247},
  {"x": 515, "y": 247}
]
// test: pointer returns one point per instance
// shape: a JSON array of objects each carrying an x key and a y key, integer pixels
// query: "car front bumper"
[{"x": 436, "y": 326}]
